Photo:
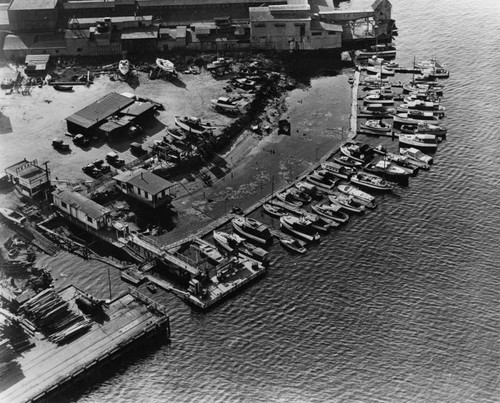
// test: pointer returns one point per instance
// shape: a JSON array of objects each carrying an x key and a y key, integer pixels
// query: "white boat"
[
  {"x": 253, "y": 230},
  {"x": 359, "y": 195},
  {"x": 177, "y": 133},
  {"x": 124, "y": 67},
  {"x": 412, "y": 87},
  {"x": 309, "y": 188},
  {"x": 423, "y": 142},
  {"x": 208, "y": 250},
  {"x": 300, "y": 227},
  {"x": 165, "y": 65},
  {"x": 377, "y": 61},
  {"x": 371, "y": 181},
  {"x": 416, "y": 155},
  {"x": 294, "y": 245},
  {"x": 347, "y": 203},
  {"x": 356, "y": 151},
  {"x": 377, "y": 126},
  {"x": 387, "y": 51},
  {"x": 390, "y": 171},
  {"x": 378, "y": 99},
  {"x": 425, "y": 128},
  {"x": 12, "y": 216},
  {"x": 415, "y": 117},
  {"x": 234, "y": 243},
  {"x": 220, "y": 62},
  {"x": 381, "y": 69},
  {"x": 384, "y": 91},
  {"x": 377, "y": 110},
  {"x": 340, "y": 171},
  {"x": 192, "y": 124},
  {"x": 224, "y": 103},
  {"x": 331, "y": 212}
]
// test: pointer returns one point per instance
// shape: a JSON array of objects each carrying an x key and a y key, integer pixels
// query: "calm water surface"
[{"x": 398, "y": 306}]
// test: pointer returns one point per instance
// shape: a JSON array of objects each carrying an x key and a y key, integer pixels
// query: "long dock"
[{"x": 45, "y": 369}]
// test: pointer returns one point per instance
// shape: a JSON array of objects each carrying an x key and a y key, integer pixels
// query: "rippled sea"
[{"x": 401, "y": 305}]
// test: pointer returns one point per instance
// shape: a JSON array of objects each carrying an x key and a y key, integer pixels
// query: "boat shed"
[
  {"x": 29, "y": 178},
  {"x": 110, "y": 115},
  {"x": 145, "y": 186},
  {"x": 36, "y": 65},
  {"x": 81, "y": 208}
]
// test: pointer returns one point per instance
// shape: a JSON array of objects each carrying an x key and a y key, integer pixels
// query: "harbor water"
[{"x": 400, "y": 305}]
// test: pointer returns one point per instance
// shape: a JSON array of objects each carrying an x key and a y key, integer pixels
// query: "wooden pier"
[{"x": 47, "y": 368}]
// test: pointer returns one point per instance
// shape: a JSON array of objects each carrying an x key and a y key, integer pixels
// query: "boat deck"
[{"x": 47, "y": 365}]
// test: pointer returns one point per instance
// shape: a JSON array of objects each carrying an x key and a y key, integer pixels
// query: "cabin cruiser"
[
  {"x": 390, "y": 171},
  {"x": 371, "y": 181},
  {"x": 359, "y": 195},
  {"x": 416, "y": 155},
  {"x": 376, "y": 126},
  {"x": 295, "y": 245},
  {"x": 356, "y": 151},
  {"x": 234, "y": 243},
  {"x": 331, "y": 212},
  {"x": 347, "y": 203},
  {"x": 300, "y": 227},
  {"x": 415, "y": 117},
  {"x": 253, "y": 230},
  {"x": 423, "y": 142},
  {"x": 338, "y": 170},
  {"x": 377, "y": 110}
]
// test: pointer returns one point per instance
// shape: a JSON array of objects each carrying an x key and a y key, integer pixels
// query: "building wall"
[
  {"x": 33, "y": 20},
  {"x": 79, "y": 215},
  {"x": 278, "y": 34}
]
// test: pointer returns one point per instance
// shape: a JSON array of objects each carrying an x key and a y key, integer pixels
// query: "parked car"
[
  {"x": 113, "y": 159},
  {"x": 91, "y": 171},
  {"x": 60, "y": 145},
  {"x": 81, "y": 140}
]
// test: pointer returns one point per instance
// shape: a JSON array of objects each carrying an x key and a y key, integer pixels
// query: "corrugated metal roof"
[
  {"x": 137, "y": 108},
  {"x": 37, "y": 59},
  {"x": 81, "y": 203},
  {"x": 32, "y": 4},
  {"x": 14, "y": 42},
  {"x": 100, "y": 110},
  {"x": 131, "y": 35}
]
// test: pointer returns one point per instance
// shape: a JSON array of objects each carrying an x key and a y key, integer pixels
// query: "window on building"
[
  {"x": 90, "y": 219},
  {"x": 316, "y": 33},
  {"x": 79, "y": 49},
  {"x": 64, "y": 205},
  {"x": 260, "y": 25},
  {"x": 280, "y": 25},
  {"x": 331, "y": 33}
]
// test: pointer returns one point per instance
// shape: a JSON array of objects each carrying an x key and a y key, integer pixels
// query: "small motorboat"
[
  {"x": 380, "y": 69},
  {"x": 124, "y": 67},
  {"x": 385, "y": 92},
  {"x": 177, "y": 133},
  {"x": 348, "y": 161},
  {"x": 377, "y": 61},
  {"x": 300, "y": 227},
  {"x": 290, "y": 199},
  {"x": 294, "y": 245},
  {"x": 165, "y": 65},
  {"x": 338, "y": 170},
  {"x": 424, "y": 128},
  {"x": 12, "y": 216},
  {"x": 253, "y": 230},
  {"x": 357, "y": 151},
  {"x": 309, "y": 188},
  {"x": 225, "y": 103},
  {"x": 320, "y": 181},
  {"x": 415, "y": 117},
  {"x": 234, "y": 243},
  {"x": 423, "y": 142},
  {"x": 347, "y": 203},
  {"x": 299, "y": 195},
  {"x": 273, "y": 210},
  {"x": 417, "y": 155},
  {"x": 377, "y": 99},
  {"x": 220, "y": 62},
  {"x": 390, "y": 171},
  {"x": 192, "y": 124},
  {"x": 377, "y": 110},
  {"x": 209, "y": 251},
  {"x": 376, "y": 126},
  {"x": 359, "y": 195},
  {"x": 371, "y": 181},
  {"x": 63, "y": 88},
  {"x": 331, "y": 212}
]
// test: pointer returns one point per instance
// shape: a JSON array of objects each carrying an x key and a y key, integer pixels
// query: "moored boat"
[
  {"x": 380, "y": 69},
  {"x": 415, "y": 117},
  {"x": 12, "y": 216},
  {"x": 332, "y": 212},
  {"x": 309, "y": 188},
  {"x": 359, "y": 195},
  {"x": 273, "y": 210},
  {"x": 377, "y": 110},
  {"x": 321, "y": 182},
  {"x": 423, "y": 142},
  {"x": 376, "y": 126},
  {"x": 371, "y": 181},
  {"x": 294, "y": 245},
  {"x": 390, "y": 171},
  {"x": 339, "y": 170},
  {"x": 300, "y": 227},
  {"x": 377, "y": 99},
  {"x": 233, "y": 243},
  {"x": 348, "y": 161},
  {"x": 253, "y": 230},
  {"x": 424, "y": 128},
  {"x": 208, "y": 250},
  {"x": 357, "y": 151},
  {"x": 416, "y": 155},
  {"x": 347, "y": 203},
  {"x": 288, "y": 198}
]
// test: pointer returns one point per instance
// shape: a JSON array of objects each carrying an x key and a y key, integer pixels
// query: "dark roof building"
[
  {"x": 29, "y": 178},
  {"x": 33, "y": 15}
]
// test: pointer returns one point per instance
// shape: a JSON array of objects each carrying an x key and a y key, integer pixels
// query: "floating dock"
[{"x": 48, "y": 368}]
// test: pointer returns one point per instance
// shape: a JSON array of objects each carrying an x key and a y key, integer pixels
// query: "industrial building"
[
  {"x": 29, "y": 178},
  {"x": 109, "y": 116}
]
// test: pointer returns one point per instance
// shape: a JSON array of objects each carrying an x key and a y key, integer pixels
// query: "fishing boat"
[
  {"x": 320, "y": 181},
  {"x": 338, "y": 170},
  {"x": 356, "y": 151},
  {"x": 165, "y": 65},
  {"x": 417, "y": 155},
  {"x": 415, "y": 117},
  {"x": 220, "y": 62},
  {"x": 390, "y": 171},
  {"x": 12, "y": 216},
  {"x": 423, "y": 142},
  {"x": 63, "y": 88},
  {"x": 347, "y": 203},
  {"x": 348, "y": 161},
  {"x": 124, "y": 67},
  {"x": 371, "y": 181},
  {"x": 288, "y": 198},
  {"x": 294, "y": 245},
  {"x": 233, "y": 243},
  {"x": 402, "y": 160},
  {"x": 300, "y": 227},
  {"x": 377, "y": 110},
  {"x": 331, "y": 212},
  {"x": 309, "y": 188},
  {"x": 253, "y": 230},
  {"x": 192, "y": 124},
  {"x": 424, "y": 128},
  {"x": 224, "y": 103},
  {"x": 376, "y": 126},
  {"x": 273, "y": 210},
  {"x": 359, "y": 195}
]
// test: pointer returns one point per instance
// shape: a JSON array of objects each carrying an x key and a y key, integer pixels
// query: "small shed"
[{"x": 36, "y": 65}]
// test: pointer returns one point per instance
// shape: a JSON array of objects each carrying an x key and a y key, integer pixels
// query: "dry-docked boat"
[
  {"x": 340, "y": 171},
  {"x": 165, "y": 65},
  {"x": 12, "y": 216},
  {"x": 253, "y": 230},
  {"x": 234, "y": 243},
  {"x": 294, "y": 245},
  {"x": 376, "y": 126},
  {"x": 356, "y": 151},
  {"x": 423, "y": 142},
  {"x": 390, "y": 171},
  {"x": 192, "y": 124},
  {"x": 372, "y": 182},
  {"x": 300, "y": 227},
  {"x": 273, "y": 210},
  {"x": 220, "y": 62},
  {"x": 378, "y": 99},
  {"x": 415, "y": 117},
  {"x": 347, "y": 203},
  {"x": 416, "y": 155},
  {"x": 124, "y": 67},
  {"x": 63, "y": 88},
  {"x": 359, "y": 195},
  {"x": 377, "y": 110},
  {"x": 331, "y": 212},
  {"x": 225, "y": 103},
  {"x": 347, "y": 161},
  {"x": 177, "y": 133}
]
